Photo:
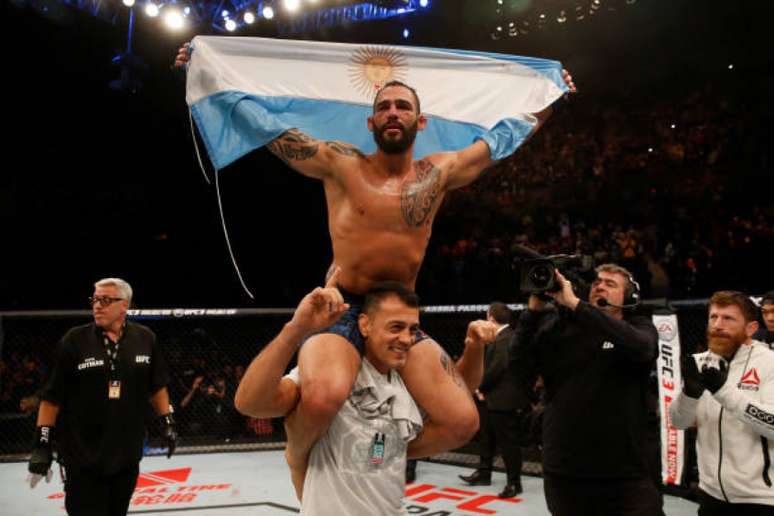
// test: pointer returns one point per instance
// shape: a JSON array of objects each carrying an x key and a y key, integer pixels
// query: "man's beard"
[
  {"x": 402, "y": 144},
  {"x": 725, "y": 344}
]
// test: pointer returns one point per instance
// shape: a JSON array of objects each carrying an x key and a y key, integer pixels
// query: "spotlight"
[
  {"x": 406, "y": 33},
  {"x": 129, "y": 3},
  {"x": 423, "y": 3},
  {"x": 225, "y": 14},
  {"x": 730, "y": 67},
  {"x": 249, "y": 18},
  {"x": 291, "y": 5},
  {"x": 230, "y": 25},
  {"x": 151, "y": 9},
  {"x": 173, "y": 19},
  {"x": 268, "y": 12}
]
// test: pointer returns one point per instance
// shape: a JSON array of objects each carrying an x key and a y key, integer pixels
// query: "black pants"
[
  {"x": 94, "y": 494},
  {"x": 501, "y": 430},
  {"x": 601, "y": 497},
  {"x": 711, "y": 506}
]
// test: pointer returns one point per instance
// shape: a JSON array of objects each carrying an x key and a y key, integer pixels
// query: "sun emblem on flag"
[{"x": 372, "y": 67}]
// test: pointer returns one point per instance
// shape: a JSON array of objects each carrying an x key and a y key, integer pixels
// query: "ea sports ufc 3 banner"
[
  {"x": 669, "y": 387},
  {"x": 245, "y": 92}
]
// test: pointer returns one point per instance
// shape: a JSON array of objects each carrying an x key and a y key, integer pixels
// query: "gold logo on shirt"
[{"x": 370, "y": 68}]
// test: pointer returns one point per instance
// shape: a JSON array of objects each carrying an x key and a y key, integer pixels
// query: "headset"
[{"x": 632, "y": 300}]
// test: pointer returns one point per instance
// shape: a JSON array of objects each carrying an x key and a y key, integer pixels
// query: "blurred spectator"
[{"x": 766, "y": 332}]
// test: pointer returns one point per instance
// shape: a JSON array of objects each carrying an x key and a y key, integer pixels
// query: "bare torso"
[{"x": 380, "y": 224}]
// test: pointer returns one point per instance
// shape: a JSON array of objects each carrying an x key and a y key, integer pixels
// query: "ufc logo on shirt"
[{"x": 142, "y": 359}]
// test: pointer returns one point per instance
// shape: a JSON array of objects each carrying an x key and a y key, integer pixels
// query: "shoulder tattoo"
[
  {"x": 448, "y": 365},
  {"x": 293, "y": 145},
  {"x": 345, "y": 149}
]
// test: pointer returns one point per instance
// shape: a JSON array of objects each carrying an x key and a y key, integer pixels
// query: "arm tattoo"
[
  {"x": 418, "y": 197},
  {"x": 451, "y": 370},
  {"x": 345, "y": 149},
  {"x": 293, "y": 145}
]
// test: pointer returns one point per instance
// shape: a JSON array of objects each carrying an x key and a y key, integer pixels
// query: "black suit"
[{"x": 507, "y": 401}]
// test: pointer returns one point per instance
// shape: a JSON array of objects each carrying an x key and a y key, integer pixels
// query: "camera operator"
[{"x": 595, "y": 358}]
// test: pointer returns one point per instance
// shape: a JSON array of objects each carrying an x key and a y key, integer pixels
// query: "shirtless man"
[{"x": 380, "y": 213}]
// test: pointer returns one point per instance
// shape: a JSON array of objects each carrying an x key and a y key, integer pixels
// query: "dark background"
[{"x": 97, "y": 182}]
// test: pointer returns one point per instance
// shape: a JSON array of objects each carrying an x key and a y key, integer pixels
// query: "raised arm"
[
  {"x": 311, "y": 157},
  {"x": 307, "y": 155},
  {"x": 469, "y": 163},
  {"x": 471, "y": 363}
]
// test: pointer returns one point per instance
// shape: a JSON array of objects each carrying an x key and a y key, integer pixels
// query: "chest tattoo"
[{"x": 418, "y": 197}]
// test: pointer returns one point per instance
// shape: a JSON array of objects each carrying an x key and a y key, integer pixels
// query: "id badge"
[
  {"x": 377, "y": 449},
  {"x": 114, "y": 389}
]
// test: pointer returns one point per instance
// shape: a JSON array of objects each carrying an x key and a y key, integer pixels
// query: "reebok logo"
[
  {"x": 608, "y": 345},
  {"x": 751, "y": 378},
  {"x": 166, "y": 477},
  {"x": 750, "y": 381}
]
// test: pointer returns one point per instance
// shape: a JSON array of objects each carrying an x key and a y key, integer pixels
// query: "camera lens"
[{"x": 540, "y": 276}]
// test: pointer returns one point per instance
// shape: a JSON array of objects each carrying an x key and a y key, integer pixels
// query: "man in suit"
[{"x": 504, "y": 401}]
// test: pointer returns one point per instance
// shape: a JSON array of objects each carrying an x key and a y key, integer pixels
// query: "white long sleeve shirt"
[{"x": 735, "y": 429}]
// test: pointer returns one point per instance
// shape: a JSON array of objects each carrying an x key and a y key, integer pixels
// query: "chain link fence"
[{"x": 207, "y": 351}]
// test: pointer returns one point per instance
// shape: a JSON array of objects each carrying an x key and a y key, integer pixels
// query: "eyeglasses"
[{"x": 104, "y": 300}]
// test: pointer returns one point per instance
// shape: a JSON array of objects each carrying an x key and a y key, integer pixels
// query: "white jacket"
[{"x": 735, "y": 429}]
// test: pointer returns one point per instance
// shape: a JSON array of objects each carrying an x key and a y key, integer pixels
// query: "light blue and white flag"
[{"x": 245, "y": 92}]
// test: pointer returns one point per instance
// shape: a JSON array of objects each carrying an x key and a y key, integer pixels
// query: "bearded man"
[{"x": 728, "y": 394}]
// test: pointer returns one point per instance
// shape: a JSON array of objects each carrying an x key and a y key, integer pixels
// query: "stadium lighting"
[
  {"x": 249, "y": 18},
  {"x": 173, "y": 18},
  {"x": 231, "y": 25},
  {"x": 268, "y": 12},
  {"x": 423, "y": 3},
  {"x": 291, "y": 6},
  {"x": 129, "y": 3},
  {"x": 151, "y": 9}
]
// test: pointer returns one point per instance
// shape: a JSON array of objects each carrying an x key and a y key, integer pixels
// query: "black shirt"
[
  {"x": 94, "y": 431},
  {"x": 765, "y": 336},
  {"x": 595, "y": 370}
]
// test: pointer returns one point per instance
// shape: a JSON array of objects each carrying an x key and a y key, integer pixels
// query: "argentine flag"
[{"x": 245, "y": 92}]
